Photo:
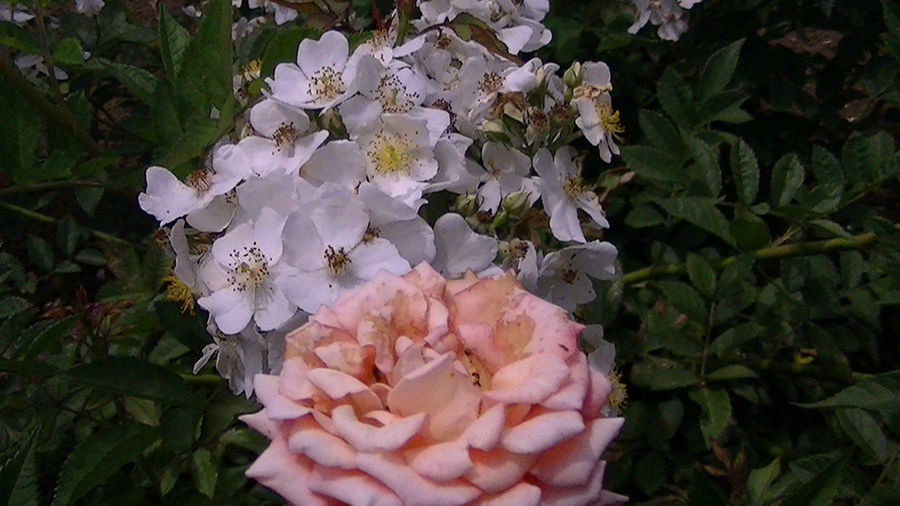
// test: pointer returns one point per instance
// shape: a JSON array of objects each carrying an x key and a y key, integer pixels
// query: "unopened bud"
[
  {"x": 466, "y": 205},
  {"x": 572, "y": 75},
  {"x": 517, "y": 202}
]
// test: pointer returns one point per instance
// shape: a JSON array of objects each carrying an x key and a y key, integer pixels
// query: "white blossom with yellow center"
[
  {"x": 399, "y": 155},
  {"x": 242, "y": 280},
  {"x": 563, "y": 193}
]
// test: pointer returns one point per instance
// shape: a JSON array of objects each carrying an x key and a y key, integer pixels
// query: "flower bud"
[
  {"x": 466, "y": 205},
  {"x": 572, "y": 75},
  {"x": 517, "y": 202}
]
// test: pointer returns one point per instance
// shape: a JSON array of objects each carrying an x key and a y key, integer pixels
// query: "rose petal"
[
  {"x": 260, "y": 422},
  {"x": 498, "y": 469},
  {"x": 277, "y": 406},
  {"x": 478, "y": 338},
  {"x": 570, "y": 463},
  {"x": 427, "y": 279},
  {"x": 286, "y": 474},
  {"x": 413, "y": 489},
  {"x": 440, "y": 462},
  {"x": 337, "y": 385},
  {"x": 530, "y": 381},
  {"x": 581, "y": 495},
  {"x": 293, "y": 383},
  {"x": 348, "y": 357},
  {"x": 367, "y": 438},
  {"x": 598, "y": 394},
  {"x": 351, "y": 487},
  {"x": 449, "y": 398},
  {"x": 307, "y": 438},
  {"x": 573, "y": 391},
  {"x": 542, "y": 432},
  {"x": 522, "y": 494},
  {"x": 484, "y": 433}
]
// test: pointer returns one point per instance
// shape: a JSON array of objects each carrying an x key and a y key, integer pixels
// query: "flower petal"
[
  {"x": 367, "y": 438},
  {"x": 307, "y": 438},
  {"x": 440, "y": 462},
  {"x": 541, "y": 432},
  {"x": 484, "y": 433},
  {"x": 528, "y": 381},
  {"x": 286, "y": 474},
  {"x": 570, "y": 464},
  {"x": 351, "y": 487},
  {"x": 277, "y": 406},
  {"x": 498, "y": 469},
  {"x": 521, "y": 494},
  {"x": 413, "y": 489}
]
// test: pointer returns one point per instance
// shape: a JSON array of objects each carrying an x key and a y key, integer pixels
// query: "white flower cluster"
[
  {"x": 668, "y": 15},
  {"x": 323, "y": 186}
]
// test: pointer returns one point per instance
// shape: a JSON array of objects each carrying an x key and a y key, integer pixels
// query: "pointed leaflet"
[
  {"x": 130, "y": 376},
  {"x": 98, "y": 457},
  {"x": 654, "y": 164},
  {"x": 702, "y": 275},
  {"x": 205, "y": 77},
  {"x": 173, "y": 41},
  {"x": 719, "y": 69},
  {"x": 660, "y": 131},
  {"x": 880, "y": 392},
  {"x": 760, "y": 479},
  {"x": 137, "y": 81},
  {"x": 787, "y": 178},
  {"x": 820, "y": 490},
  {"x": 745, "y": 171},
  {"x": 19, "y": 135},
  {"x": 18, "y": 476},
  {"x": 701, "y": 212},
  {"x": 864, "y": 430},
  {"x": 676, "y": 99}
]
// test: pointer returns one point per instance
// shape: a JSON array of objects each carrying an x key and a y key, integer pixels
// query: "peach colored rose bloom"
[{"x": 419, "y": 391}]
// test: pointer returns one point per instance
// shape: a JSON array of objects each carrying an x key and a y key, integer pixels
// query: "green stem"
[
  {"x": 858, "y": 242},
  {"x": 824, "y": 372},
  {"x": 43, "y": 218},
  {"x": 58, "y": 115},
  {"x": 404, "y": 26},
  {"x": 49, "y": 185}
]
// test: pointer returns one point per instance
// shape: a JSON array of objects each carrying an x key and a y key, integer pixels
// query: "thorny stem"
[
  {"x": 61, "y": 116},
  {"x": 858, "y": 242},
  {"x": 43, "y": 218}
]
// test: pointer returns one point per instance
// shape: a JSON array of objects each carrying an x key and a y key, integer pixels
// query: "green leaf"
[
  {"x": 69, "y": 52},
  {"x": 820, "y": 490},
  {"x": 759, "y": 481},
  {"x": 130, "y": 376},
  {"x": 654, "y": 164},
  {"x": 731, "y": 372},
  {"x": 40, "y": 252},
  {"x": 749, "y": 231},
  {"x": 173, "y": 42},
  {"x": 865, "y": 432},
  {"x": 745, "y": 171},
  {"x": 716, "y": 410},
  {"x": 881, "y": 392},
  {"x": 676, "y": 99},
  {"x": 283, "y": 48},
  {"x": 650, "y": 472},
  {"x": 853, "y": 266},
  {"x": 16, "y": 37},
  {"x": 660, "y": 131},
  {"x": 891, "y": 12},
  {"x": 702, "y": 275},
  {"x": 137, "y": 81},
  {"x": 53, "y": 334},
  {"x": 860, "y": 159},
  {"x": 666, "y": 376},
  {"x": 787, "y": 178},
  {"x": 205, "y": 77},
  {"x": 204, "y": 472},
  {"x": 707, "y": 171},
  {"x": 644, "y": 216},
  {"x": 700, "y": 211},
  {"x": 736, "y": 336},
  {"x": 10, "y": 306},
  {"x": 142, "y": 410},
  {"x": 19, "y": 136},
  {"x": 98, "y": 457},
  {"x": 719, "y": 69},
  {"x": 724, "y": 107},
  {"x": 19, "y": 476},
  {"x": 685, "y": 299},
  {"x": 830, "y": 179}
]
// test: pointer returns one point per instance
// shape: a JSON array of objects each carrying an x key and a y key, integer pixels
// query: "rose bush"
[{"x": 416, "y": 390}]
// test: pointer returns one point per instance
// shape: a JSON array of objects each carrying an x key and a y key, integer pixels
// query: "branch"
[
  {"x": 43, "y": 218},
  {"x": 60, "y": 116},
  {"x": 859, "y": 242}
]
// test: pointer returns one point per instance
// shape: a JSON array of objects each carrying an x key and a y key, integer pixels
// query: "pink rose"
[{"x": 419, "y": 391}]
